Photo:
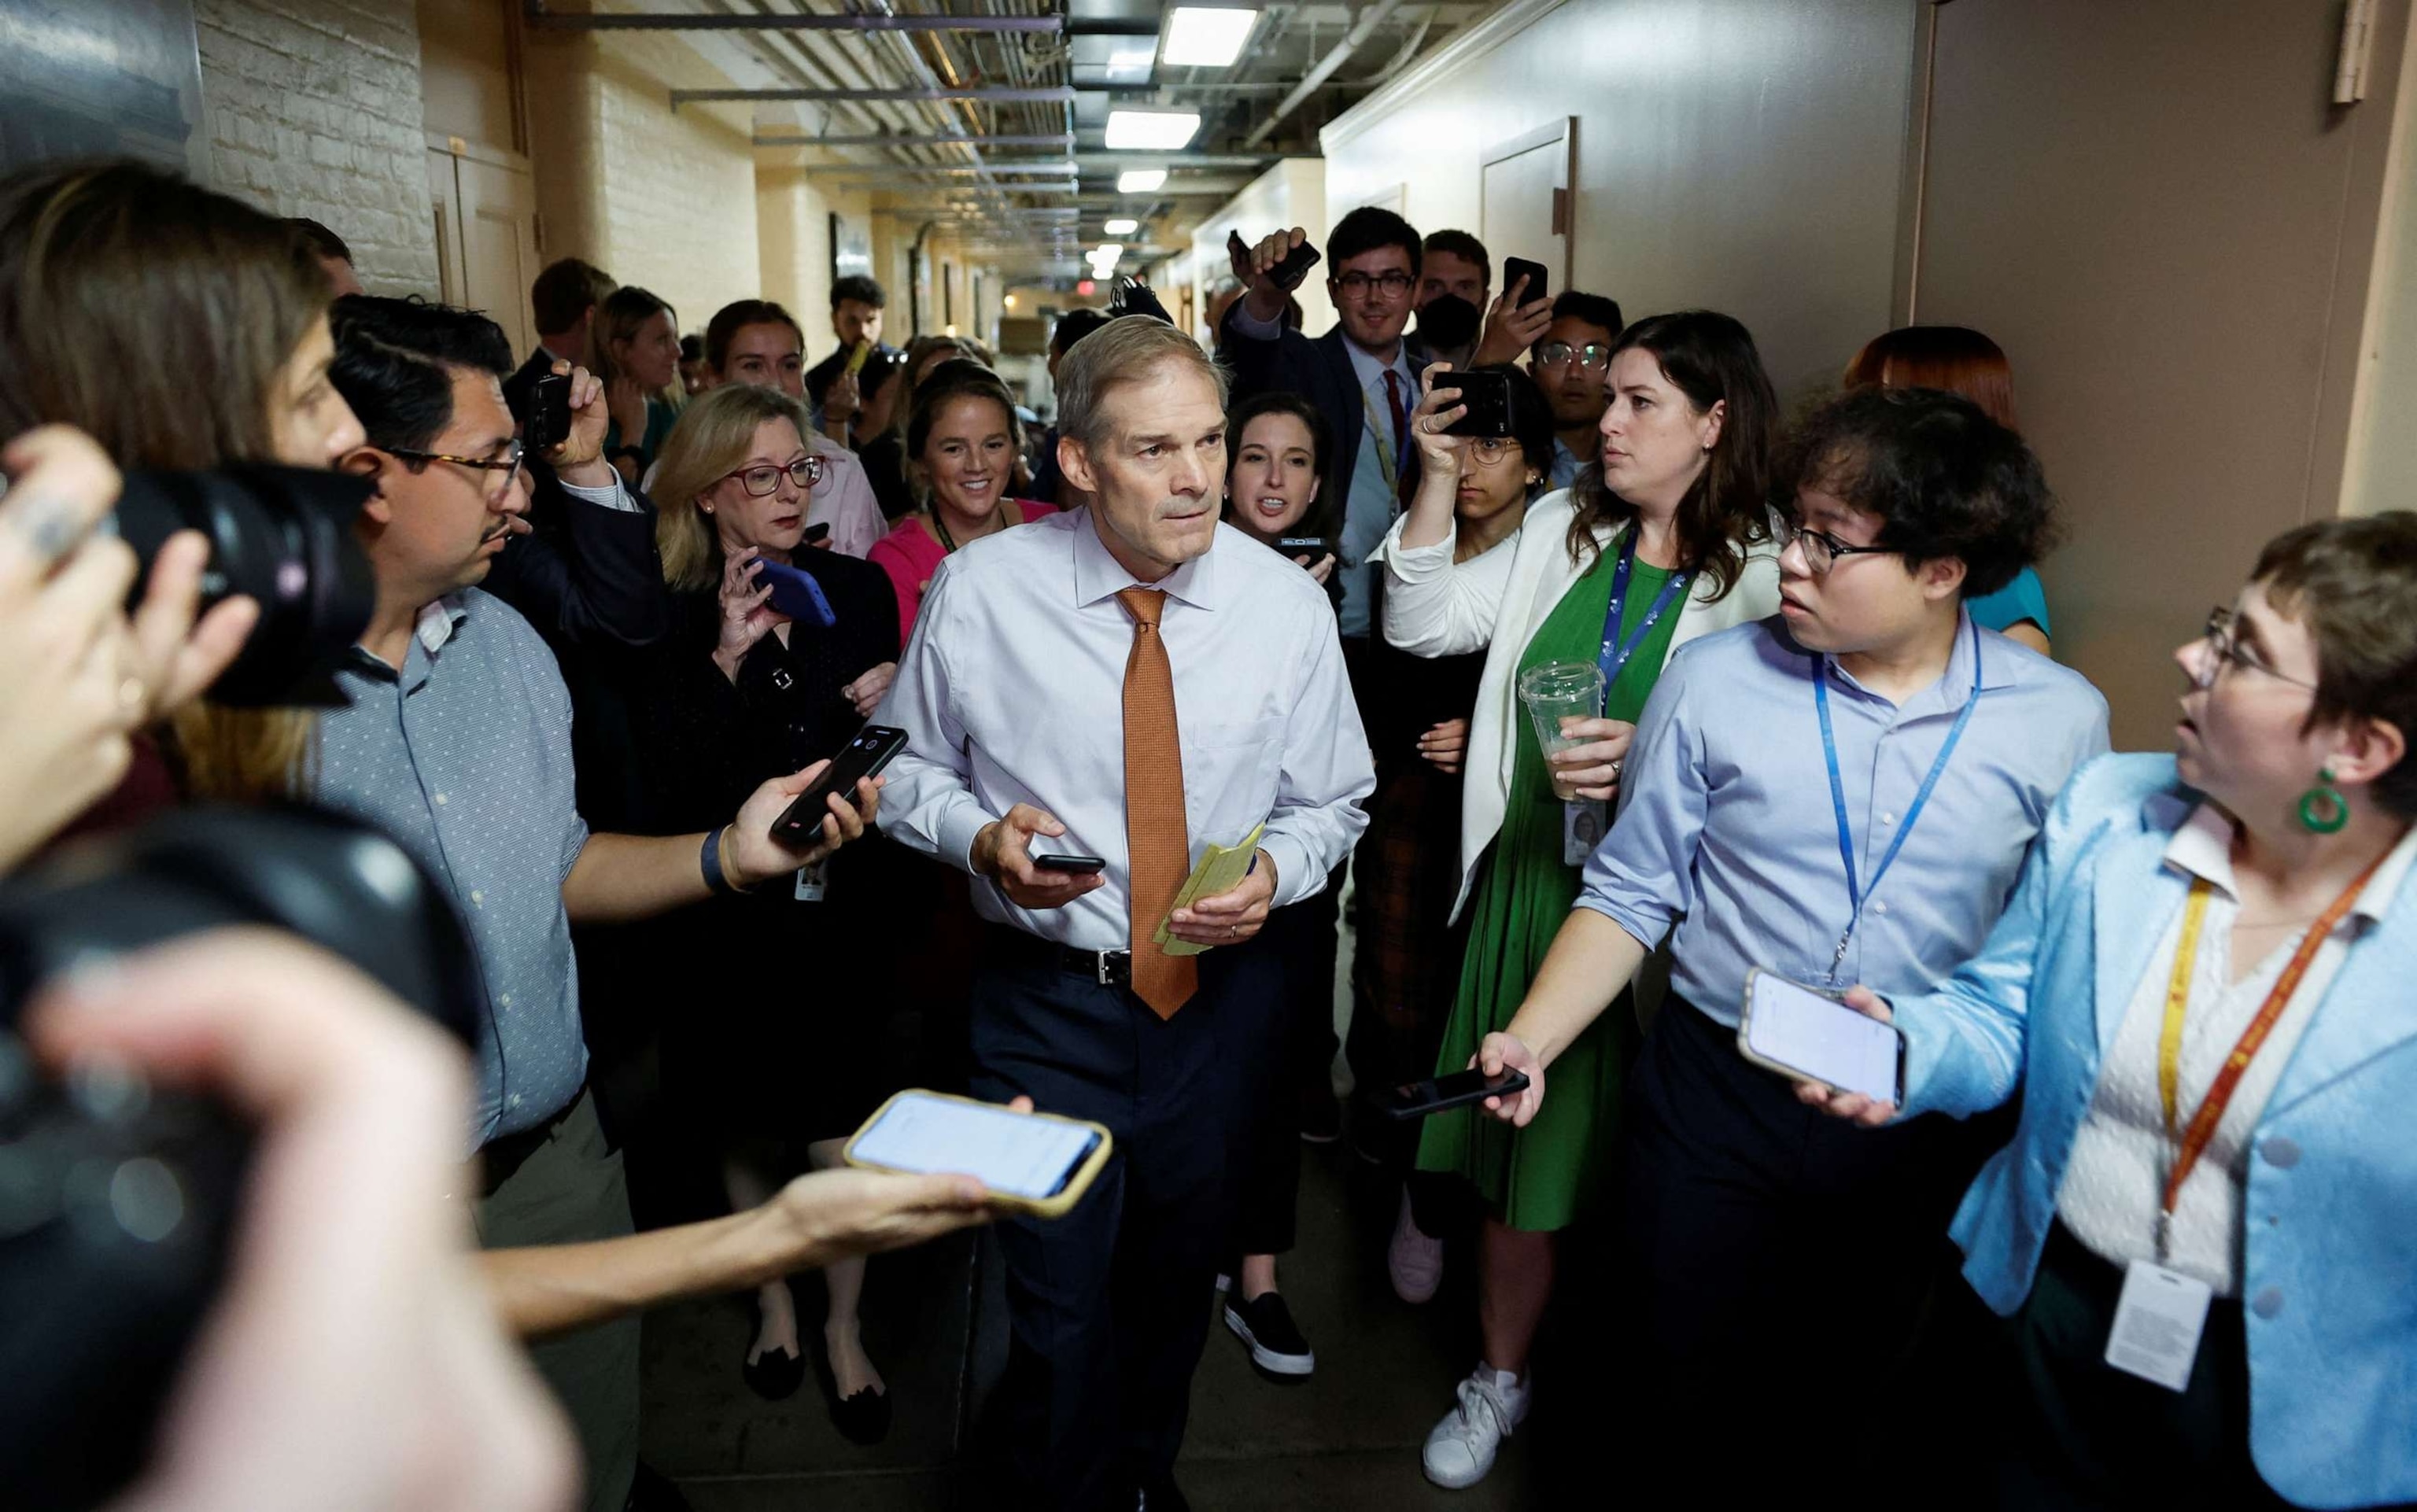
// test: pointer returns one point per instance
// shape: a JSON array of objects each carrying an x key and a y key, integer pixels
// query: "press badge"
[
  {"x": 1583, "y": 822},
  {"x": 2157, "y": 1324},
  {"x": 813, "y": 881}
]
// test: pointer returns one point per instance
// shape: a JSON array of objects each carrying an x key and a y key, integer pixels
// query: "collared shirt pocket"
[{"x": 1229, "y": 777}]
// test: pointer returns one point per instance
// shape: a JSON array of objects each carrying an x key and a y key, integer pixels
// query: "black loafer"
[
  {"x": 862, "y": 1419},
  {"x": 774, "y": 1374}
]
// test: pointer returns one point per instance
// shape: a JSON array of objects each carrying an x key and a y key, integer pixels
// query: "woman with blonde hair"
[{"x": 777, "y": 652}]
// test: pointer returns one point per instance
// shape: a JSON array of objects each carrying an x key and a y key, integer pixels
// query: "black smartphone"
[
  {"x": 1488, "y": 397},
  {"x": 1539, "y": 282},
  {"x": 1416, "y": 1099},
  {"x": 867, "y": 754},
  {"x": 545, "y": 419},
  {"x": 1080, "y": 865},
  {"x": 816, "y": 535},
  {"x": 1312, "y": 547},
  {"x": 1287, "y": 274}
]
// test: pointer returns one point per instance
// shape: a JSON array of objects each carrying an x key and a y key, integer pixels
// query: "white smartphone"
[
  {"x": 1038, "y": 1162},
  {"x": 1809, "y": 1035}
]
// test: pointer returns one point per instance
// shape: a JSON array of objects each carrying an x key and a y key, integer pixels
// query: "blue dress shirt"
[
  {"x": 464, "y": 757},
  {"x": 1727, "y": 830},
  {"x": 1011, "y": 690}
]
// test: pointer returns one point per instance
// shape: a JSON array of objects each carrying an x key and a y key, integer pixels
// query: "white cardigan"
[{"x": 1435, "y": 607}]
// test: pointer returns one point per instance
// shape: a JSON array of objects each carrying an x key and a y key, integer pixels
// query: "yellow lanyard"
[{"x": 2169, "y": 1043}]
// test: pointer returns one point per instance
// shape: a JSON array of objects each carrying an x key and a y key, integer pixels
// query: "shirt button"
[
  {"x": 1879, "y": 907},
  {"x": 440, "y": 800},
  {"x": 2267, "y": 1302},
  {"x": 505, "y": 1001},
  {"x": 2280, "y": 1151},
  {"x": 1888, "y": 819},
  {"x": 514, "y": 1099},
  {"x": 478, "y": 899}
]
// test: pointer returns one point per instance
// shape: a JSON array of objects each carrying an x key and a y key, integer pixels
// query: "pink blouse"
[{"x": 910, "y": 556}]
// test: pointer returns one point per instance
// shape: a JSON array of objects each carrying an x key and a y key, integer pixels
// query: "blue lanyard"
[
  {"x": 1855, "y": 891},
  {"x": 1615, "y": 652}
]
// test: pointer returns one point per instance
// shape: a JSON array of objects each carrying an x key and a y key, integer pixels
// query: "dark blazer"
[{"x": 1320, "y": 371}]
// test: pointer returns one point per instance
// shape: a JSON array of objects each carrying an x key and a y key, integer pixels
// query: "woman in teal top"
[
  {"x": 637, "y": 351},
  {"x": 1961, "y": 361},
  {"x": 1675, "y": 529}
]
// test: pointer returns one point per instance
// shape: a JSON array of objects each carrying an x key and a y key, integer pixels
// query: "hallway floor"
[{"x": 1347, "y": 1438}]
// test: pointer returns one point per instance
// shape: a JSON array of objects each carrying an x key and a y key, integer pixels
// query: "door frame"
[{"x": 1565, "y": 131}]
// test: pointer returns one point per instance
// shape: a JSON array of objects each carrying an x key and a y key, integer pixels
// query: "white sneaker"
[
  {"x": 1461, "y": 1450},
  {"x": 1414, "y": 1258}
]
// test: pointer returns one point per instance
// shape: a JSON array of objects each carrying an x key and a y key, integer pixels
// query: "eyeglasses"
[
  {"x": 509, "y": 465},
  {"x": 1391, "y": 285},
  {"x": 1592, "y": 355},
  {"x": 806, "y": 472},
  {"x": 1821, "y": 549},
  {"x": 1492, "y": 450},
  {"x": 2219, "y": 637}
]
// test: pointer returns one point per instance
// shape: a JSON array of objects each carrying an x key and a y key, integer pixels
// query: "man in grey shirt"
[{"x": 456, "y": 740}]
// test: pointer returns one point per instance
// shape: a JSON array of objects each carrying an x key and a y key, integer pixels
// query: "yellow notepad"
[{"x": 1222, "y": 870}]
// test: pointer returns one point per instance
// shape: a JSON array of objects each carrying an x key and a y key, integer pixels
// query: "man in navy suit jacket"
[{"x": 1361, "y": 375}]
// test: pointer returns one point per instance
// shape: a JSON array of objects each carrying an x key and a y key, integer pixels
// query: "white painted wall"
[{"x": 1291, "y": 193}]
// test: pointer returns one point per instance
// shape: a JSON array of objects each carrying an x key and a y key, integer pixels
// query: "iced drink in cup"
[{"x": 1558, "y": 690}]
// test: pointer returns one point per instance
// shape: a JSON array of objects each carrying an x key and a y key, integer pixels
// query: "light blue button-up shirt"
[
  {"x": 1011, "y": 690},
  {"x": 462, "y": 755},
  {"x": 1727, "y": 830}
]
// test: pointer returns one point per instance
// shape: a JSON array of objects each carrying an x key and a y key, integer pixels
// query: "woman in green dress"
[{"x": 1666, "y": 539}]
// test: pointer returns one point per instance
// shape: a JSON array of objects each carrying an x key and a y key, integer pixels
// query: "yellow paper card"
[{"x": 1222, "y": 870}]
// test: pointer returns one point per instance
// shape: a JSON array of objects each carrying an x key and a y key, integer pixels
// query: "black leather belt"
[
  {"x": 1108, "y": 968},
  {"x": 503, "y": 1155}
]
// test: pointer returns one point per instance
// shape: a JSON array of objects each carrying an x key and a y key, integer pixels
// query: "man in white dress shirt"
[{"x": 1131, "y": 682}]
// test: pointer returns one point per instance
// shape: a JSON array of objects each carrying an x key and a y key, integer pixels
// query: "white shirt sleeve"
[
  {"x": 846, "y": 503},
  {"x": 928, "y": 801},
  {"x": 1250, "y": 325},
  {"x": 1327, "y": 770},
  {"x": 617, "y": 497},
  {"x": 1436, "y": 607}
]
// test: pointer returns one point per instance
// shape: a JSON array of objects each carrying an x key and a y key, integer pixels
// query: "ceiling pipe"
[
  {"x": 942, "y": 141},
  {"x": 1360, "y": 31},
  {"x": 544, "y": 20},
  {"x": 919, "y": 96},
  {"x": 880, "y": 170}
]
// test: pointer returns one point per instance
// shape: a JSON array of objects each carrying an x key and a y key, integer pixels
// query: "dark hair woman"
[
  {"x": 1668, "y": 540},
  {"x": 181, "y": 330},
  {"x": 2201, "y": 992},
  {"x": 963, "y": 441},
  {"x": 637, "y": 357}
]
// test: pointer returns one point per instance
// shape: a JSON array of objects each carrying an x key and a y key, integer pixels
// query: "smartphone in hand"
[
  {"x": 873, "y": 749},
  {"x": 1488, "y": 397},
  {"x": 1539, "y": 282},
  {"x": 1809, "y": 1035},
  {"x": 1416, "y": 1099}
]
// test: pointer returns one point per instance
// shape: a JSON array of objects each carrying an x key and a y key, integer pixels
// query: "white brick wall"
[
  {"x": 314, "y": 109},
  {"x": 677, "y": 199}
]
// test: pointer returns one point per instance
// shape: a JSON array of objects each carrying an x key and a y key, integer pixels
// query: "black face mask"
[{"x": 1448, "y": 322}]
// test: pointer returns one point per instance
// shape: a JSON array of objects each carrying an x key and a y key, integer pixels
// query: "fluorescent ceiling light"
[
  {"x": 1140, "y": 180},
  {"x": 1107, "y": 252},
  {"x": 1131, "y": 61},
  {"x": 1205, "y": 37},
  {"x": 1140, "y": 131},
  {"x": 1121, "y": 226}
]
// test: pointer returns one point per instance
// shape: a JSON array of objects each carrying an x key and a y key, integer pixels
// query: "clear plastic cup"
[{"x": 1558, "y": 690}]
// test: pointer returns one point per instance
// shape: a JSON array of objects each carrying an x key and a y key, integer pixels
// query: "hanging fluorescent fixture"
[
  {"x": 1121, "y": 226},
  {"x": 1150, "y": 131},
  {"x": 1141, "y": 180},
  {"x": 1205, "y": 37}
]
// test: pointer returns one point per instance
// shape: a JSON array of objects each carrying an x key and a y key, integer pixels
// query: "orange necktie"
[{"x": 1156, "y": 840}]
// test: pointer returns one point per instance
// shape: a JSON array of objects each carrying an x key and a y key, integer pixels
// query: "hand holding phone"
[
  {"x": 1839, "y": 1051},
  {"x": 1003, "y": 852},
  {"x": 1539, "y": 281},
  {"x": 1072, "y": 866},
  {"x": 873, "y": 749},
  {"x": 1417, "y": 1100},
  {"x": 1037, "y": 1162},
  {"x": 1485, "y": 396}
]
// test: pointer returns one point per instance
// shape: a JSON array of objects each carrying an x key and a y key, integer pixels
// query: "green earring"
[{"x": 2322, "y": 807}]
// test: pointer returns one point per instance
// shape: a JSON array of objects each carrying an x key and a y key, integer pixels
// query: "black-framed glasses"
[
  {"x": 509, "y": 464},
  {"x": 1821, "y": 549},
  {"x": 764, "y": 480},
  {"x": 1391, "y": 285},
  {"x": 2218, "y": 634},
  {"x": 1592, "y": 355}
]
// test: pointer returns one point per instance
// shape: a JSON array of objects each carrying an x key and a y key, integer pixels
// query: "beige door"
[
  {"x": 485, "y": 206},
  {"x": 1522, "y": 198},
  {"x": 2152, "y": 208}
]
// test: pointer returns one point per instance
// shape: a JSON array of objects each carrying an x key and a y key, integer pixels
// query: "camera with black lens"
[
  {"x": 118, "y": 1199},
  {"x": 284, "y": 536}
]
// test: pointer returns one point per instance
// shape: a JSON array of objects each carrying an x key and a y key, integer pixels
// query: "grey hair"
[{"x": 1124, "y": 351}]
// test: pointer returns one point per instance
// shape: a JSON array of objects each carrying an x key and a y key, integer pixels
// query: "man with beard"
[
  {"x": 1454, "y": 277},
  {"x": 1572, "y": 363}
]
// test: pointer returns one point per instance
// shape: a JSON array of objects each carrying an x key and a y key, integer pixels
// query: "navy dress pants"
[{"x": 1108, "y": 1307}]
